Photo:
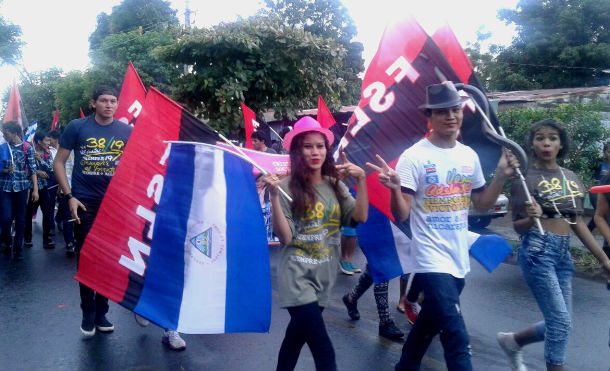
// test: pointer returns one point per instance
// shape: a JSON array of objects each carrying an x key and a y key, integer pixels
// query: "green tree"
[
  {"x": 259, "y": 61},
  {"x": 37, "y": 92},
  {"x": 328, "y": 19},
  {"x": 73, "y": 92},
  {"x": 559, "y": 43},
  {"x": 10, "y": 43},
  {"x": 116, "y": 50},
  {"x": 141, "y": 15},
  {"x": 584, "y": 127}
]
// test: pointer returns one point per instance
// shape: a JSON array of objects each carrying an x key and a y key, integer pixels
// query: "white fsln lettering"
[
  {"x": 361, "y": 119},
  {"x": 379, "y": 102},
  {"x": 406, "y": 69},
  {"x": 155, "y": 187},
  {"x": 149, "y": 215},
  {"x": 136, "y": 248},
  {"x": 135, "y": 108}
]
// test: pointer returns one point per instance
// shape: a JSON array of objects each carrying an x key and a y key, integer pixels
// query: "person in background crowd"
[
  {"x": 17, "y": 177},
  {"x": 348, "y": 245},
  {"x": 387, "y": 327},
  {"x": 46, "y": 199},
  {"x": 308, "y": 227},
  {"x": 602, "y": 171},
  {"x": 259, "y": 144}
]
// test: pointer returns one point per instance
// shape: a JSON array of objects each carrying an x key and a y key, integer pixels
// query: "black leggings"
[{"x": 306, "y": 326}]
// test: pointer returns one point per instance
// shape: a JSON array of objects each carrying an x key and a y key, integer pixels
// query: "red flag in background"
[
  {"x": 55, "y": 119},
  {"x": 131, "y": 97},
  {"x": 325, "y": 118},
  {"x": 14, "y": 108},
  {"x": 250, "y": 124},
  {"x": 82, "y": 115}
]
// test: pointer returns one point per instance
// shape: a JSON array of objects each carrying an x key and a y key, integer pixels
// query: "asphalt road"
[{"x": 40, "y": 318}]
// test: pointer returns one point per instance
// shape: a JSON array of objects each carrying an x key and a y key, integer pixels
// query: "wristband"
[{"x": 69, "y": 196}]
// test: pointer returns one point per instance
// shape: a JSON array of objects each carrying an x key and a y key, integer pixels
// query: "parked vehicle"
[{"x": 481, "y": 219}]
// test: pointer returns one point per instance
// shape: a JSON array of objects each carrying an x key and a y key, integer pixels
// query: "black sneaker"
[
  {"x": 352, "y": 308},
  {"x": 87, "y": 326},
  {"x": 104, "y": 325},
  {"x": 389, "y": 330},
  {"x": 27, "y": 244},
  {"x": 18, "y": 255},
  {"x": 70, "y": 249},
  {"x": 48, "y": 244}
]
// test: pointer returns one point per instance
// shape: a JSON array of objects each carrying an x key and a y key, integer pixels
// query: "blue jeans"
[
  {"x": 547, "y": 267},
  {"x": 13, "y": 205},
  {"x": 440, "y": 313}
]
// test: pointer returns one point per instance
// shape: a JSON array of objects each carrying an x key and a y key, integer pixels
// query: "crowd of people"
[{"x": 316, "y": 228}]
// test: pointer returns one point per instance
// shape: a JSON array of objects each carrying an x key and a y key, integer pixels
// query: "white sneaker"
[
  {"x": 173, "y": 340},
  {"x": 506, "y": 340},
  {"x": 141, "y": 320}
]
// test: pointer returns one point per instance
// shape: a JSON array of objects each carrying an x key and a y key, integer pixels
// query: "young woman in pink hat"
[{"x": 309, "y": 229}]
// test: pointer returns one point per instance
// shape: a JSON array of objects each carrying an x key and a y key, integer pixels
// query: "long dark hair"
[
  {"x": 303, "y": 192},
  {"x": 553, "y": 124}
]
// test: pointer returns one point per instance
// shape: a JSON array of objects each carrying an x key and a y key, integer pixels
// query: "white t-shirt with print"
[{"x": 441, "y": 179}]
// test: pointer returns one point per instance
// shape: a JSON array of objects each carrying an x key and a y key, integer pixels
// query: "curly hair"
[
  {"x": 553, "y": 124},
  {"x": 302, "y": 190}
]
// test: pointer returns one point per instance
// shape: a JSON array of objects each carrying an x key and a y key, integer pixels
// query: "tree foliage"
[
  {"x": 142, "y": 15},
  {"x": 259, "y": 61},
  {"x": 559, "y": 43},
  {"x": 584, "y": 126},
  {"x": 10, "y": 43},
  {"x": 115, "y": 52},
  {"x": 38, "y": 96},
  {"x": 328, "y": 19}
]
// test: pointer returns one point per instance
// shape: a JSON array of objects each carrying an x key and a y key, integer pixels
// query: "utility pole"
[{"x": 187, "y": 26}]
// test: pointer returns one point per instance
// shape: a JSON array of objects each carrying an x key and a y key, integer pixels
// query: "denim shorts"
[{"x": 547, "y": 267}]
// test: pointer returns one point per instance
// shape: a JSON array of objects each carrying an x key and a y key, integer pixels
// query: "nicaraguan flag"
[
  {"x": 208, "y": 270},
  {"x": 388, "y": 248},
  {"x": 29, "y": 134}
]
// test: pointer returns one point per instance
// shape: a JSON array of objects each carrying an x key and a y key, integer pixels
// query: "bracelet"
[{"x": 69, "y": 196}]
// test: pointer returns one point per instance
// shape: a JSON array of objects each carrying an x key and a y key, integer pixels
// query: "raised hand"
[
  {"x": 507, "y": 164},
  {"x": 347, "y": 169},
  {"x": 387, "y": 176},
  {"x": 273, "y": 183}
]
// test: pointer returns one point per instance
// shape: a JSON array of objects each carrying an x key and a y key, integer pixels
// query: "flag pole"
[
  {"x": 503, "y": 135},
  {"x": 263, "y": 171}
]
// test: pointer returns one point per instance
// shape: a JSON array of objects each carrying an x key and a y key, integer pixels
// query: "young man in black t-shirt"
[{"x": 90, "y": 178}]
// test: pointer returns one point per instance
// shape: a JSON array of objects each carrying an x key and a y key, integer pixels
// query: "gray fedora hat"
[{"x": 443, "y": 95}]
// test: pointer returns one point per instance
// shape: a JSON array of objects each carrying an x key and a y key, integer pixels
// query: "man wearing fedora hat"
[{"x": 434, "y": 182}]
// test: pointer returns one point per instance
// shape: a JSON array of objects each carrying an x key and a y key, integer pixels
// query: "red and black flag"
[
  {"x": 252, "y": 124},
  {"x": 131, "y": 97},
  {"x": 14, "y": 108},
  {"x": 121, "y": 236},
  {"x": 387, "y": 120}
]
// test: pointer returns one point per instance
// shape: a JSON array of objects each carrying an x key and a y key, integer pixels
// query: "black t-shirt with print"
[{"x": 97, "y": 151}]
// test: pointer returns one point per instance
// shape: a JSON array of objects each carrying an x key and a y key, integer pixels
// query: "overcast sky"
[{"x": 56, "y": 32}]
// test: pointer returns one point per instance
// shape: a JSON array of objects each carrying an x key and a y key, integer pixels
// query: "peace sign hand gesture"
[
  {"x": 347, "y": 169},
  {"x": 387, "y": 176}
]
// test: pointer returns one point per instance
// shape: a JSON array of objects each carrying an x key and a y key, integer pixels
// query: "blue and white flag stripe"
[
  {"x": 208, "y": 270},
  {"x": 388, "y": 249}
]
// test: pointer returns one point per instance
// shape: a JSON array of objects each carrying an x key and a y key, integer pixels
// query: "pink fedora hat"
[{"x": 304, "y": 125}]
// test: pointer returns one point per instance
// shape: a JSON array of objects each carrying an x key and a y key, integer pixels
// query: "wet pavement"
[{"x": 40, "y": 318}]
